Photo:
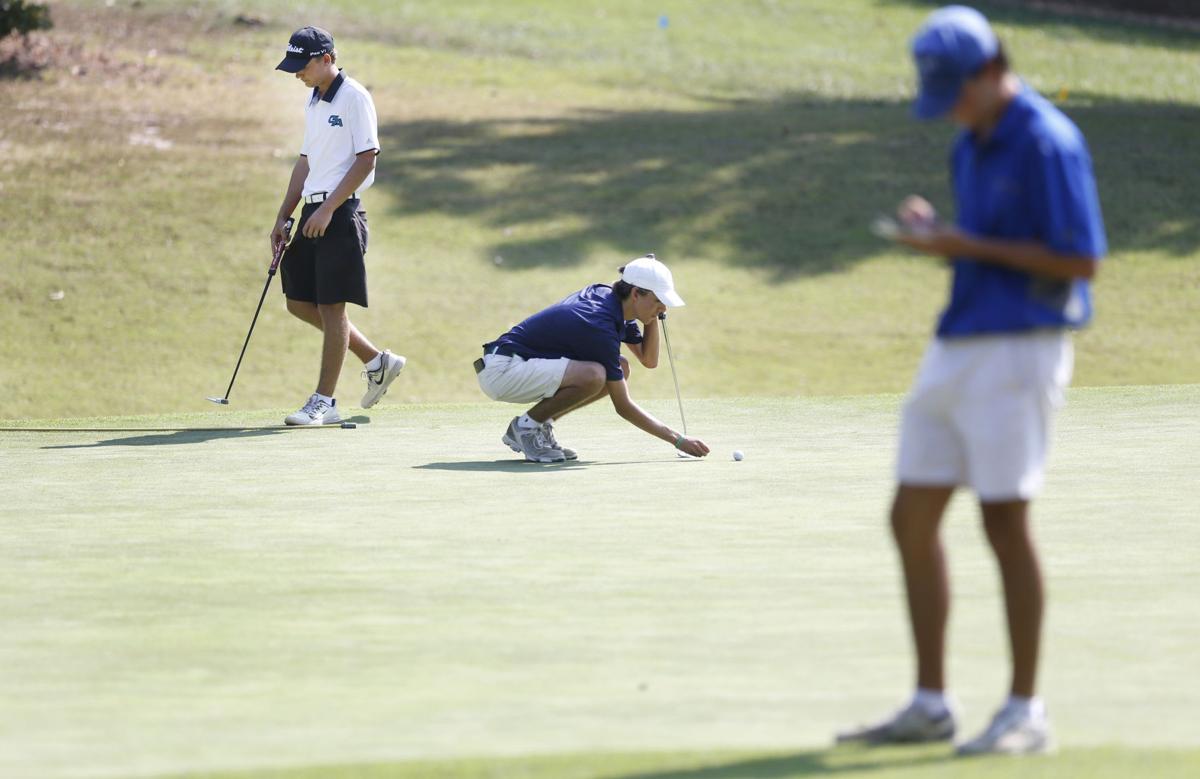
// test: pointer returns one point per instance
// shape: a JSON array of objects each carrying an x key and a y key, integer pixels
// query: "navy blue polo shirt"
[
  {"x": 588, "y": 326},
  {"x": 1031, "y": 180}
]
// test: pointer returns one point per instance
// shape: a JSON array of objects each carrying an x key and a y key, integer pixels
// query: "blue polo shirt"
[
  {"x": 1031, "y": 180},
  {"x": 588, "y": 326}
]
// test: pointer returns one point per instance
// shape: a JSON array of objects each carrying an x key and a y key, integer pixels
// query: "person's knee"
[
  {"x": 302, "y": 309},
  {"x": 1006, "y": 531},
  {"x": 332, "y": 312},
  {"x": 914, "y": 523},
  {"x": 593, "y": 378},
  {"x": 902, "y": 524}
]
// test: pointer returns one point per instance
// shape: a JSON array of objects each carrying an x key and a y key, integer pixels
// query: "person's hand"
[
  {"x": 277, "y": 236},
  {"x": 693, "y": 446},
  {"x": 318, "y": 222},
  {"x": 939, "y": 240},
  {"x": 917, "y": 215}
]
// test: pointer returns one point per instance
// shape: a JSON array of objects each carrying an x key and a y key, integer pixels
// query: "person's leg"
[
  {"x": 916, "y": 517},
  {"x": 601, "y": 394},
  {"x": 1007, "y": 526},
  {"x": 336, "y": 328},
  {"x": 581, "y": 382},
  {"x": 363, "y": 349}
]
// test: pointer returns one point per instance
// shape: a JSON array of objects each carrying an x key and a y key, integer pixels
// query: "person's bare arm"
[
  {"x": 1028, "y": 256},
  {"x": 291, "y": 199},
  {"x": 924, "y": 233},
  {"x": 364, "y": 163},
  {"x": 647, "y": 352},
  {"x": 618, "y": 391}
]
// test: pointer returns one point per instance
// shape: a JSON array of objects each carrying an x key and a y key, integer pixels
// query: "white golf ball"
[{"x": 737, "y": 455}]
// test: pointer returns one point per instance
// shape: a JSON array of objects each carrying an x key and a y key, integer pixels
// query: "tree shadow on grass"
[
  {"x": 1065, "y": 21},
  {"x": 787, "y": 186}
]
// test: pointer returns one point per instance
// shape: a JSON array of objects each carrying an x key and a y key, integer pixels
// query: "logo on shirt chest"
[{"x": 335, "y": 121}]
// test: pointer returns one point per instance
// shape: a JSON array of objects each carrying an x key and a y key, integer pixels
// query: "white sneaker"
[
  {"x": 1012, "y": 731},
  {"x": 315, "y": 412},
  {"x": 379, "y": 380},
  {"x": 532, "y": 442},
  {"x": 911, "y": 725}
]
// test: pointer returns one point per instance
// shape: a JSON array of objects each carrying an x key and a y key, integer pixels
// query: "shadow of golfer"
[
  {"x": 822, "y": 762},
  {"x": 189, "y": 435},
  {"x": 176, "y": 437},
  {"x": 523, "y": 466}
]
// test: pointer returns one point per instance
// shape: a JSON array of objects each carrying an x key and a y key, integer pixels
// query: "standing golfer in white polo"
[
  {"x": 324, "y": 267},
  {"x": 569, "y": 355},
  {"x": 1027, "y": 240}
]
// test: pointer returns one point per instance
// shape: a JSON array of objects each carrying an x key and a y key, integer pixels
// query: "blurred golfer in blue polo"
[
  {"x": 569, "y": 355},
  {"x": 1026, "y": 241}
]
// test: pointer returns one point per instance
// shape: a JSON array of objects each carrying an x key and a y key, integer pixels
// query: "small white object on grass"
[
  {"x": 737, "y": 455},
  {"x": 57, "y": 294},
  {"x": 885, "y": 227}
]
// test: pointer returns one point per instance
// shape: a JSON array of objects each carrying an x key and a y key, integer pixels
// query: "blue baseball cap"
[
  {"x": 952, "y": 46},
  {"x": 305, "y": 43}
]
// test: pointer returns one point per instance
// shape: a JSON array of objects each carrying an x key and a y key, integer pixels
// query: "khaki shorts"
[
  {"x": 980, "y": 412},
  {"x": 517, "y": 380}
]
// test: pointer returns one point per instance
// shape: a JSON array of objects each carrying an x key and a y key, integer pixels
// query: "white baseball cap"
[{"x": 648, "y": 273}]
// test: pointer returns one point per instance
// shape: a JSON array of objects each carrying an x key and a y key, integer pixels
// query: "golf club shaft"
[
  {"x": 671, "y": 359},
  {"x": 275, "y": 258},
  {"x": 250, "y": 332}
]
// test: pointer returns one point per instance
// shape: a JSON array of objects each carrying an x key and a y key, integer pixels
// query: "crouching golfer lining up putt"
[
  {"x": 569, "y": 355},
  {"x": 1027, "y": 241},
  {"x": 324, "y": 267}
]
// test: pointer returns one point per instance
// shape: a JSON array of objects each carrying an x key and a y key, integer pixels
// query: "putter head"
[{"x": 220, "y": 401}]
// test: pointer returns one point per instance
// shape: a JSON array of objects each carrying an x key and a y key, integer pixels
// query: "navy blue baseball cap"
[
  {"x": 305, "y": 43},
  {"x": 952, "y": 46}
]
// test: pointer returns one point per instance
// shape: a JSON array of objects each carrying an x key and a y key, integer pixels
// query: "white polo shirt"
[{"x": 337, "y": 128}]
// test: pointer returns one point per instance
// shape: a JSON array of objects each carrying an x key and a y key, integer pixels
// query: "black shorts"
[{"x": 332, "y": 268}]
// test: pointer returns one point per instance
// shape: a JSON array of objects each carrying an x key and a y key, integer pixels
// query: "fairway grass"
[
  {"x": 529, "y": 149},
  {"x": 849, "y": 763},
  {"x": 408, "y": 599}
]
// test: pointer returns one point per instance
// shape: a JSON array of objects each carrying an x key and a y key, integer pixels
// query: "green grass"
[
  {"x": 230, "y": 601},
  {"x": 899, "y": 763},
  {"x": 748, "y": 144}
]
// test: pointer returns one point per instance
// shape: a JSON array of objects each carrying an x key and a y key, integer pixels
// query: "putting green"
[{"x": 229, "y": 601}]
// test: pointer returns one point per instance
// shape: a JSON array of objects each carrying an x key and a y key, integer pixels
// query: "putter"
[
  {"x": 278, "y": 255},
  {"x": 671, "y": 359}
]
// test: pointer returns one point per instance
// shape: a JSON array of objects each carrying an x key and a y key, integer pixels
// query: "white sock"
[
  {"x": 932, "y": 702},
  {"x": 375, "y": 363},
  {"x": 327, "y": 398},
  {"x": 527, "y": 422},
  {"x": 1028, "y": 707}
]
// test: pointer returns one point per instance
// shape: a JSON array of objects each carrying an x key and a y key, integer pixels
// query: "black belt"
[{"x": 500, "y": 350}]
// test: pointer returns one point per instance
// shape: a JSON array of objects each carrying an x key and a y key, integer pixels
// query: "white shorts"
[
  {"x": 517, "y": 380},
  {"x": 979, "y": 413}
]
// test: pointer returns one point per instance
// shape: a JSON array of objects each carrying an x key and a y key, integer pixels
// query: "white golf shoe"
[
  {"x": 315, "y": 412},
  {"x": 911, "y": 725},
  {"x": 1013, "y": 731},
  {"x": 379, "y": 380}
]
